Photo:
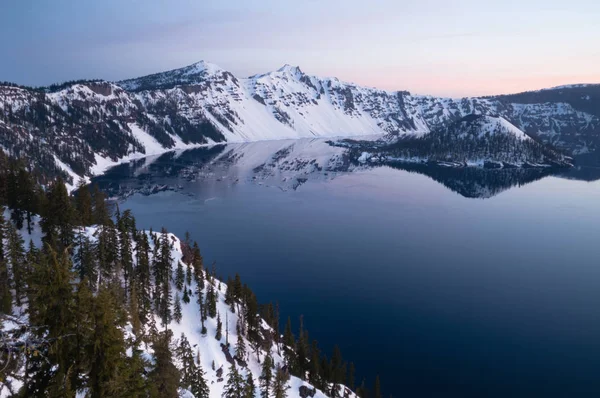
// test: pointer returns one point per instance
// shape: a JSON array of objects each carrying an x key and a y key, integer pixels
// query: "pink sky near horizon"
[
  {"x": 429, "y": 47},
  {"x": 463, "y": 86}
]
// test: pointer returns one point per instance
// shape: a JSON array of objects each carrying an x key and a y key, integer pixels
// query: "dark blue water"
[{"x": 439, "y": 294}]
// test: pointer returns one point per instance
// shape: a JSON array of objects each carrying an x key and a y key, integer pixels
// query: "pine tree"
[
  {"x": 211, "y": 301},
  {"x": 188, "y": 275},
  {"x": 164, "y": 376},
  {"x": 84, "y": 320},
  {"x": 188, "y": 366},
  {"x": 162, "y": 279},
  {"x": 107, "y": 349},
  {"x": 200, "y": 386},
  {"x": 86, "y": 260},
  {"x": 250, "y": 388},
  {"x": 57, "y": 223},
  {"x": 229, "y": 293},
  {"x": 52, "y": 304},
  {"x": 335, "y": 366},
  {"x": 186, "y": 296},
  {"x": 301, "y": 363},
  {"x": 377, "y": 389},
  {"x": 361, "y": 391},
  {"x": 237, "y": 287},
  {"x": 13, "y": 197},
  {"x": 240, "y": 346},
  {"x": 280, "y": 384},
  {"x": 276, "y": 332},
  {"x": 134, "y": 311},
  {"x": 197, "y": 262},
  {"x": 5, "y": 294},
  {"x": 219, "y": 335},
  {"x": 314, "y": 368},
  {"x": 100, "y": 212},
  {"x": 84, "y": 204},
  {"x": 288, "y": 336},
  {"x": 107, "y": 251},
  {"x": 177, "y": 309},
  {"x": 27, "y": 197},
  {"x": 266, "y": 377},
  {"x": 179, "y": 276},
  {"x": 289, "y": 342},
  {"x": 2, "y": 232},
  {"x": 351, "y": 382},
  {"x": 235, "y": 386},
  {"x": 136, "y": 384},
  {"x": 251, "y": 307},
  {"x": 227, "y": 328},
  {"x": 143, "y": 273},
  {"x": 124, "y": 224}
]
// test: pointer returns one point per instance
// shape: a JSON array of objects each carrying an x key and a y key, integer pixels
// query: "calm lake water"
[{"x": 482, "y": 290}]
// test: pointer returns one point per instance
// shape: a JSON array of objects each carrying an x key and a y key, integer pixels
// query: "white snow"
[{"x": 151, "y": 146}]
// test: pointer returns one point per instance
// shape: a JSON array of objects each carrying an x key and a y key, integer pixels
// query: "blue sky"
[{"x": 430, "y": 46}]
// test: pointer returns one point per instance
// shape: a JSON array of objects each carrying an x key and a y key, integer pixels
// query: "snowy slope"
[
  {"x": 211, "y": 351},
  {"x": 488, "y": 125}
]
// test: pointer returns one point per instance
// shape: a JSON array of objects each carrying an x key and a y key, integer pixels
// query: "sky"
[{"x": 439, "y": 47}]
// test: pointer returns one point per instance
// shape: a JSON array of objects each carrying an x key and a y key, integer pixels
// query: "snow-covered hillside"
[
  {"x": 474, "y": 140},
  {"x": 215, "y": 356},
  {"x": 84, "y": 127}
]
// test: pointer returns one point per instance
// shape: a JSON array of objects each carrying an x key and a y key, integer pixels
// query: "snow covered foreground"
[{"x": 213, "y": 359}]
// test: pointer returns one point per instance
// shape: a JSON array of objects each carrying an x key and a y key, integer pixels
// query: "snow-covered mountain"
[
  {"x": 474, "y": 140},
  {"x": 83, "y": 127}
]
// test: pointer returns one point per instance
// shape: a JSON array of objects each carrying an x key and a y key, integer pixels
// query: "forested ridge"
[{"x": 89, "y": 305}]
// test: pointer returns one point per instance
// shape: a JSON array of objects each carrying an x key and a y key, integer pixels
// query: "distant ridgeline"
[
  {"x": 91, "y": 306},
  {"x": 80, "y": 128},
  {"x": 474, "y": 140}
]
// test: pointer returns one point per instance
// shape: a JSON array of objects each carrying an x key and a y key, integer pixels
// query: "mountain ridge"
[{"x": 80, "y": 128}]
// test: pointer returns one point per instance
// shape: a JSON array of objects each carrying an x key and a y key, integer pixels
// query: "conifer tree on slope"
[
  {"x": 52, "y": 304},
  {"x": 5, "y": 293},
  {"x": 250, "y": 387},
  {"x": 266, "y": 377},
  {"x": 290, "y": 345},
  {"x": 197, "y": 262},
  {"x": 200, "y": 386},
  {"x": 126, "y": 249},
  {"x": 352, "y": 371},
  {"x": 164, "y": 376},
  {"x": 235, "y": 384},
  {"x": 83, "y": 202},
  {"x": 179, "y": 276},
  {"x": 107, "y": 349},
  {"x": 211, "y": 301},
  {"x": 177, "y": 315},
  {"x": 84, "y": 328},
  {"x": 314, "y": 372},
  {"x": 280, "y": 383},
  {"x": 301, "y": 363},
  {"x": 186, "y": 295},
  {"x": 58, "y": 220},
  {"x": 186, "y": 358},
  {"x": 219, "y": 334},
  {"x": 142, "y": 272},
  {"x": 240, "y": 346},
  {"x": 377, "y": 389}
]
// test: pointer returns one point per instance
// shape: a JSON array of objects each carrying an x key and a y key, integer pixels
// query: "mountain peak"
[
  {"x": 203, "y": 66},
  {"x": 191, "y": 74},
  {"x": 290, "y": 69}
]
